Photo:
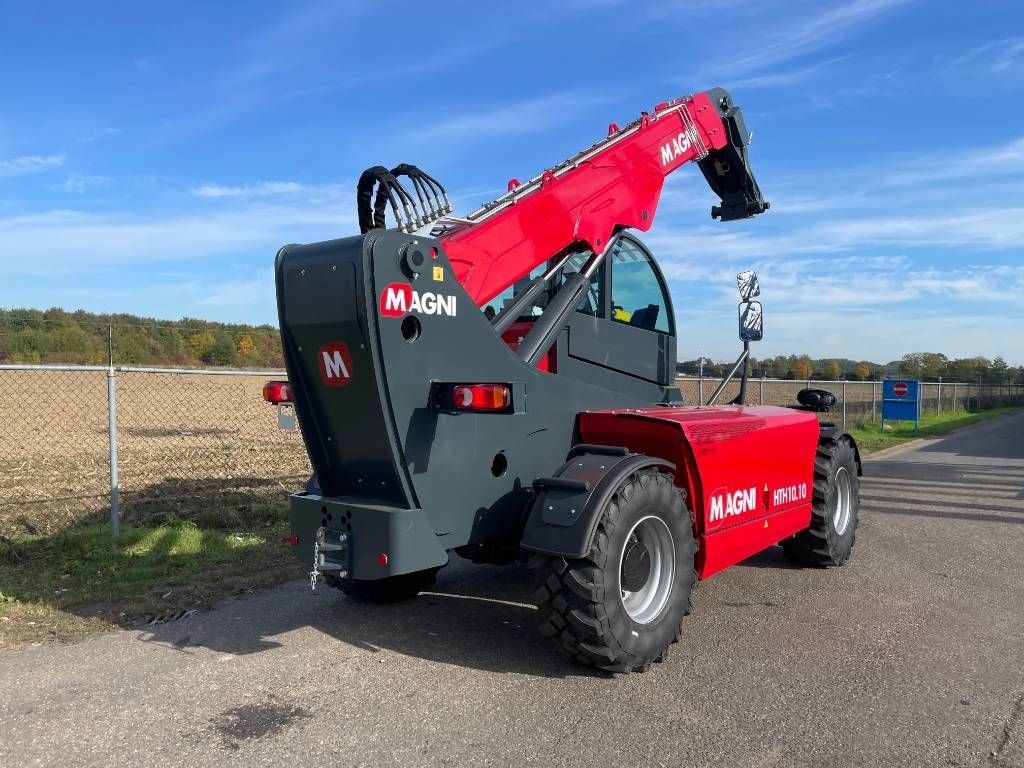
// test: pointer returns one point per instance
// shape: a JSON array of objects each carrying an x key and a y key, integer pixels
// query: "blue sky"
[{"x": 154, "y": 156}]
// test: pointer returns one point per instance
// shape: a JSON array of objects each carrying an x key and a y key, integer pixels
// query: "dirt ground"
[
  {"x": 184, "y": 440},
  {"x": 181, "y": 439}
]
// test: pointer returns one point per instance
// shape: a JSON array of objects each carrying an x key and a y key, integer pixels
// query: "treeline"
[
  {"x": 927, "y": 366},
  {"x": 84, "y": 338}
]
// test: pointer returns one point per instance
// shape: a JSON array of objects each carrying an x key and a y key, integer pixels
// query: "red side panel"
[
  {"x": 748, "y": 471},
  {"x": 515, "y": 333}
]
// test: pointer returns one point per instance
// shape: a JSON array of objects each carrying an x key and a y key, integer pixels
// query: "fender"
[
  {"x": 569, "y": 505},
  {"x": 832, "y": 433}
]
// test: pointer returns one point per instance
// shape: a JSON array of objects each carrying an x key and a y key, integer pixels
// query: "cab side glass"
[
  {"x": 637, "y": 295},
  {"x": 592, "y": 300}
]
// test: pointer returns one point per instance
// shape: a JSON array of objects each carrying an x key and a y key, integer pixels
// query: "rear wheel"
[
  {"x": 619, "y": 608},
  {"x": 390, "y": 590},
  {"x": 835, "y": 511}
]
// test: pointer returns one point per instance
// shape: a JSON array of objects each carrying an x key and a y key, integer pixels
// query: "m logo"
[
  {"x": 335, "y": 364},
  {"x": 395, "y": 299}
]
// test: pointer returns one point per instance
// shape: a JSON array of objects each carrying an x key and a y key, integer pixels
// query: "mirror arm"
[
  {"x": 741, "y": 360},
  {"x": 741, "y": 398}
]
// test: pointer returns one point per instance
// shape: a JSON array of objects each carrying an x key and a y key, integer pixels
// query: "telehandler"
[{"x": 501, "y": 386}]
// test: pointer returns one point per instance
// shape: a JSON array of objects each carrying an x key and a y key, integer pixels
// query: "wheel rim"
[
  {"x": 647, "y": 569},
  {"x": 842, "y": 501}
]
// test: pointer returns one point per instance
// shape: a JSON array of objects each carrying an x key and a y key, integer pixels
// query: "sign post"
[{"x": 901, "y": 401}]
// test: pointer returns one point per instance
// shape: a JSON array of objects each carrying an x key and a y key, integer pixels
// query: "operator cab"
[{"x": 624, "y": 323}]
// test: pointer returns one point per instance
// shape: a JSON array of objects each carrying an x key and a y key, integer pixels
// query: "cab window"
[
  {"x": 638, "y": 297},
  {"x": 592, "y": 300}
]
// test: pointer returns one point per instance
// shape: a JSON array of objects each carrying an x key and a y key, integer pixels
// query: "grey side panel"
[
  {"x": 621, "y": 348},
  {"x": 346, "y": 428},
  {"x": 449, "y": 455},
  {"x": 404, "y": 535}
]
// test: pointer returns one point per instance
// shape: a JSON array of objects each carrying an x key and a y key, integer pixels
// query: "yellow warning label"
[{"x": 439, "y": 274}]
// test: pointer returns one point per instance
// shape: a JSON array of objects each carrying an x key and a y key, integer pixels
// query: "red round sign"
[{"x": 900, "y": 388}]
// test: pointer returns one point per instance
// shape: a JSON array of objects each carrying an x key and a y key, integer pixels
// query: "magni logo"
[
  {"x": 399, "y": 298},
  {"x": 671, "y": 150},
  {"x": 335, "y": 364},
  {"x": 723, "y": 504}
]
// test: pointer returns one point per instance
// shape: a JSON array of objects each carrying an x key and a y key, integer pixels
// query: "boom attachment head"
[{"x": 727, "y": 170}]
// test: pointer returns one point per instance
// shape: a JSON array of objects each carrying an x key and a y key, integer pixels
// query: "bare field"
[
  {"x": 190, "y": 441},
  {"x": 183, "y": 441}
]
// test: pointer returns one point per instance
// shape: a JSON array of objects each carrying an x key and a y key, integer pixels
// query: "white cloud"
[
  {"x": 811, "y": 32},
  {"x": 879, "y": 335},
  {"x": 77, "y": 183},
  {"x": 784, "y": 78},
  {"x": 95, "y": 134},
  {"x": 69, "y": 241},
  {"x": 29, "y": 164},
  {"x": 527, "y": 116},
  {"x": 256, "y": 293},
  {"x": 998, "y": 57},
  {"x": 260, "y": 189}
]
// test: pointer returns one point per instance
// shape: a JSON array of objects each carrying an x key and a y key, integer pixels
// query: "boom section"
[{"x": 614, "y": 184}]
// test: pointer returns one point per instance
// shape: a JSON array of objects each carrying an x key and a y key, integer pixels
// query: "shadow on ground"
[{"x": 478, "y": 617}]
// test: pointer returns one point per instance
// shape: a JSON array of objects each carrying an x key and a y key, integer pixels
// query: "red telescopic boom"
[{"x": 613, "y": 185}]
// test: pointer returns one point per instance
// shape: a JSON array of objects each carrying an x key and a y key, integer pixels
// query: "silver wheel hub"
[
  {"x": 842, "y": 501},
  {"x": 647, "y": 566}
]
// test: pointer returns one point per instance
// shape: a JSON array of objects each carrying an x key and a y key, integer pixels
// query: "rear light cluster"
[
  {"x": 277, "y": 392},
  {"x": 481, "y": 397}
]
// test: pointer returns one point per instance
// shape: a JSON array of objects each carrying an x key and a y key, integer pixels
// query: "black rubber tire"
[
  {"x": 580, "y": 601},
  {"x": 821, "y": 544},
  {"x": 390, "y": 590}
]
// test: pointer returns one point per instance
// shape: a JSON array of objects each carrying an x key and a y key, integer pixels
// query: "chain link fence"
[
  {"x": 191, "y": 443},
  {"x": 188, "y": 444},
  {"x": 857, "y": 402}
]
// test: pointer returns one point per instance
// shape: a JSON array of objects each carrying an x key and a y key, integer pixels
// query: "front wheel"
[
  {"x": 835, "y": 510},
  {"x": 620, "y": 607}
]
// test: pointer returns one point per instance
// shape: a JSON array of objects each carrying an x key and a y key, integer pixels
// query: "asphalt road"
[{"x": 911, "y": 654}]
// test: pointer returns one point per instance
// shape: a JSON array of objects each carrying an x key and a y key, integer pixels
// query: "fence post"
[
  {"x": 938, "y": 398},
  {"x": 844, "y": 403},
  {"x": 115, "y": 511},
  {"x": 954, "y": 397},
  {"x": 873, "y": 411},
  {"x": 700, "y": 390},
  {"x": 761, "y": 395}
]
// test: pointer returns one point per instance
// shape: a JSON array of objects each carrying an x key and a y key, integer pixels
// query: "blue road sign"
[{"x": 901, "y": 401}]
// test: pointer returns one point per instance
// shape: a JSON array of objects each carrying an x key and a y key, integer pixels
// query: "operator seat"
[{"x": 646, "y": 318}]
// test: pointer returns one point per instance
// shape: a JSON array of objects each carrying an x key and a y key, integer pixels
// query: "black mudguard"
[
  {"x": 830, "y": 431},
  {"x": 569, "y": 505}
]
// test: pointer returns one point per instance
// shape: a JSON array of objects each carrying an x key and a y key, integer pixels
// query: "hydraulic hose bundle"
[{"x": 432, "y": 197}]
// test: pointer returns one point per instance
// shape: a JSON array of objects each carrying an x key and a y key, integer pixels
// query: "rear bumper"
[{"x": 404, "y": 535}]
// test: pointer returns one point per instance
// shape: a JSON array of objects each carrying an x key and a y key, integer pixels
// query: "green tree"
[
  {"x": 832, "y": 370},
  {"x": 222, "y": 352},
  {"x": 802, "y": 367},
  {"x": 200, "y": 344}
]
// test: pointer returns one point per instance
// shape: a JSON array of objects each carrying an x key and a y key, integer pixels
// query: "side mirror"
[
  {"x": 748, "y": 285},
  {"x": 751, "y": 321}
]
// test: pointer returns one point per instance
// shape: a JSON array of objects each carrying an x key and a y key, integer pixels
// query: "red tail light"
[
  {"x": 277, "y": 392},
  {"x": 481, "y": 397}
]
